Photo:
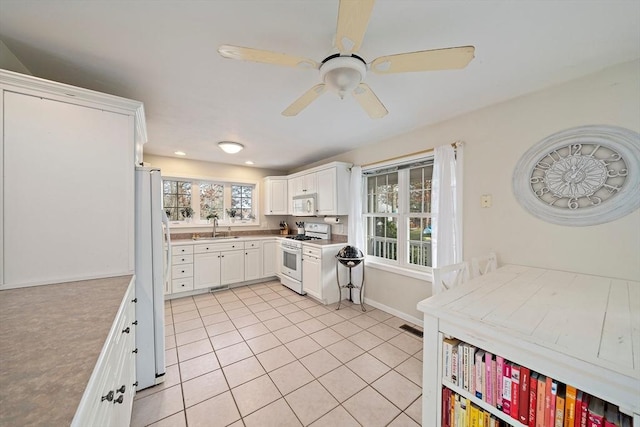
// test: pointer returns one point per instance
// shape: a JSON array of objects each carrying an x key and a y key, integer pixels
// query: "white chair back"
[
  {"x": 449, "y": 276},
  {"x": 483, "y": 265}
]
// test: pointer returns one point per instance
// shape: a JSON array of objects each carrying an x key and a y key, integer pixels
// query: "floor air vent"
[{"x": 414, "y": 331}]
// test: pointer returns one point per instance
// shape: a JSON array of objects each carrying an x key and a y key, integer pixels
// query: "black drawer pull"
[
  {"x": 135, "y": 384},
  {"x": 134, "y": 300},
  {"x": 135, "y": 323},
  {"x": 108, "y": 397},
  {"x": 121, "y": 389},
  {"x": 126, "y": 330},
  {"x": 120, "y": 399},
  {"x": 135, "y": 351}
]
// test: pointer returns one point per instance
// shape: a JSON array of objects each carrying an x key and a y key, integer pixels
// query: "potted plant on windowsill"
[
  {"x": 232, "y": 214},
  {"x": 187, "y": 213}
]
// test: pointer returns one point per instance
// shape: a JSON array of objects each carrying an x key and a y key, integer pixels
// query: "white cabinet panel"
[
  {"x": 312, "y": 275},
  {"x": 270, "y": 250},
  {"x": 206, "y": 270},
  {"x": 68, "y": 191},
  {"x": 276, "y": 196},
  {"x": 231, "y": 267},
  {"x": 252, "y": 264}
]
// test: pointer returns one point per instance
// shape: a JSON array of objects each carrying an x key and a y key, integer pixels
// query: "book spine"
[
  {"x": 465, "y": 364},
  {"x": 570, "y": 407},
  {"x": 499, "y": 381},
  {"x": 578, "y": 415},
  {"x": 585, "y": 410},
  {"x": 494, "y": 382},
  {"x": 560, "y": 406},
  {"x": 523, "y": 411},
  {"x": 454, "y": 364},
  {"x": 515, "y": 391},
  {"x": 446, "y": 359},
  {"x": 542, "y": 392},
  {"x": 533, "y": 399},
  {"x": 446, "y": 395},
  {"x": 552, "y": 402},
  {"x": 488, "y": 384},
  {"x": 506, "y": 388},
  {"x": 471, "y": 369},
  {"x": 547, "y": 402},
  {"x": 477, "y": 371}
]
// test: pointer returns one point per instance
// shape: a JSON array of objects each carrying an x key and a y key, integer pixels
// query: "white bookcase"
[{"x": 578, "y": 329}]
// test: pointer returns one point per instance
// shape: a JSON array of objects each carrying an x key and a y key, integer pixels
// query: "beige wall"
[
  {"x": 195, "y": 168},
  {"x": 10, "y": 62},
  {"x": 495, "y": 138}
]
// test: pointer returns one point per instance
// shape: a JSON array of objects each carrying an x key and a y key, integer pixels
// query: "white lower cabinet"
[
  {"x": 252, "y": 265},
  {"x": 201, "y": 266},
  {"x": 270, "y": 252},
  {"x": 312, "y": 272},
  {"x": 231, "y": 267},
  {"x": 108, "y": 398},
  {"x": 206, "y": 270},
  {"x": 319, "y": 272}
]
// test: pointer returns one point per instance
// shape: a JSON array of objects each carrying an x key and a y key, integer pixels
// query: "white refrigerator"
[{"x": 152, "y": 250}]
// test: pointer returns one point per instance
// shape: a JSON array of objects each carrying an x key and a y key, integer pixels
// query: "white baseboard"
[{"x": 397, "y": 313}]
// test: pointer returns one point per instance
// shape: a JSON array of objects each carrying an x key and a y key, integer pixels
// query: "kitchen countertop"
[
  {"x": 50, "y": 340},
  {"x": 336, "y": 240}
]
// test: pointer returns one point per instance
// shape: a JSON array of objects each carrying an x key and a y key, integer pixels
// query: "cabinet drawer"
[
  {"x": 181, "y": 259},
  {"x": 182, "y": 285},
  {"x": 251, "y": 244},
  {"x": 181, "y": 271},
  {"x": 218, "y": 247},
  {"x": 308, "y": 250},
  {"x": 182, "y": 250}
]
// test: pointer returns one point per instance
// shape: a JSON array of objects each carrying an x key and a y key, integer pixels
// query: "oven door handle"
[{"x": 290, "y": 250}]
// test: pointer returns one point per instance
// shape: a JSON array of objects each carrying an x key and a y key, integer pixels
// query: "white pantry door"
[{"x": 68, "y": 191}]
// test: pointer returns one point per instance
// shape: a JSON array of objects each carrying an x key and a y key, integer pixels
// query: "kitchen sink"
[{"x": 213, "y": 239}]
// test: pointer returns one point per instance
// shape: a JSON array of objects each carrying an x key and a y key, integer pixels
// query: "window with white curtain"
[{"x": 397, "y": 214}]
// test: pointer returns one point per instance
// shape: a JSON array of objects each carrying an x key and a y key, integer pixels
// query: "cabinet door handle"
[
  {"x": 135, "y": 351},
  {"x": 135, "y": 384},
  {"x": 134, "y": 323},
  {"x": 126, "y": 330},
  {"x": 134, "y": 300},
  {"x": 108, "y": 396},
  {"x": 121, "y": 389},
  {"x": 120, "y": 399}
]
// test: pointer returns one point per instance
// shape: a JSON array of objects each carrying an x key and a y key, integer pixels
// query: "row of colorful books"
[
  {"x": 529, "y": 397},
  {"x": 458, "y": 411}
]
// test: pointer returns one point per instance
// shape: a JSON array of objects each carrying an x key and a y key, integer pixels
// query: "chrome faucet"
[{"x": 215, "y": 224}]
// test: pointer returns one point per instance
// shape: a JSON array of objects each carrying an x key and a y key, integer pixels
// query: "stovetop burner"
[{"x": 302, "y": 237}]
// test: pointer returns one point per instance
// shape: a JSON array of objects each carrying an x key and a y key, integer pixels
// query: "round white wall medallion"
[{"x": 581, "y": 176}]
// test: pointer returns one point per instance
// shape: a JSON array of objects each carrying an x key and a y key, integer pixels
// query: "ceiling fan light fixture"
[
  {"x": 230, "y": 147},
  {"x": 343, "y": 74}
]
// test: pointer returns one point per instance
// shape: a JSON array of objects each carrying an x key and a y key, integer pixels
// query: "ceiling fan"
[{"x": 344, "y": 72}]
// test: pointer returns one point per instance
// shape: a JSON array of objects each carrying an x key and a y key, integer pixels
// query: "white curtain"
[
  {"x": 356, "y": 226},
  {"x": 446, "y": 209}
]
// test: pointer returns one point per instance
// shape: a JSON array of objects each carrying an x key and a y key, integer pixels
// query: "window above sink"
[{"x": 194, "y": 202}]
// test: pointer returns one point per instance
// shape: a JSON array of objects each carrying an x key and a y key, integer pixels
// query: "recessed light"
[
  {"x": 180, "y": 153},
  {"x": 248, "y": 162},
  {"x": 230, "y": 146}
]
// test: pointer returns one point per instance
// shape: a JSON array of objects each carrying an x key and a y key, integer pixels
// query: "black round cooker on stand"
[{"x": 350, "y": 257}]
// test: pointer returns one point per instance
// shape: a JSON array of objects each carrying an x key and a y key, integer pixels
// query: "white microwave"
[{"x": 304, "y": 205}]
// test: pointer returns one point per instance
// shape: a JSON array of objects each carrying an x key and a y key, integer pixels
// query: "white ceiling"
[{"x": 163, "y": 53}]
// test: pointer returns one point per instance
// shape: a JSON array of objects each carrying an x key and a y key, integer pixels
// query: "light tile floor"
[{"x": 263, "y": 355}]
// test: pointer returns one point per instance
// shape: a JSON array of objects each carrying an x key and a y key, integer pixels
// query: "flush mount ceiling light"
[
  {"x": 230, "y": 146},
  {"x": 180, "y": 153},
  {"x": 343, "y": 74}
]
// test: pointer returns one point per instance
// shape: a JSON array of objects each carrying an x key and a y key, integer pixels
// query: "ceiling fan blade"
[
  {"x": 353, "y": 18},
  {"x": 303, "y": 102},
  {"x": 369, "y": 101},
  {"x": 425, "y": 60},
  {"x": 268, "y": 57}
]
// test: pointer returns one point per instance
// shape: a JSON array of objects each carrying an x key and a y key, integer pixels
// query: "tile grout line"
[{"x": 326, "y": 326}]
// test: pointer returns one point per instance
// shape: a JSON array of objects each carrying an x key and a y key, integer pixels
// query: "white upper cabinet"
[
  {"x": 68, "y": 161},
  {"x": 329, "y": 183},
  {"x": 276, "y": 201}
]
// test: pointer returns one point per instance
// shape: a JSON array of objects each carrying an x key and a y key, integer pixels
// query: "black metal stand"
[{"x": 350, "y": 285}]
